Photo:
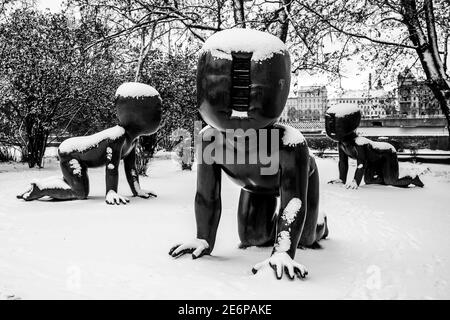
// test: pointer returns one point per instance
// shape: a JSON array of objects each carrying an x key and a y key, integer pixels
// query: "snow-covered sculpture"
[
  {"x": 243, "y": 81},
  {"x": 139, "y": 113},
  {"x": 376, "y": 161}
]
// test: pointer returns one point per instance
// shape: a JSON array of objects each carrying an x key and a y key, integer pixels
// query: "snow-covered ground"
[{"x": 384, "y": 242}]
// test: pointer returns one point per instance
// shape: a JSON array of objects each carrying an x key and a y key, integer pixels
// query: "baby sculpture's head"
[
  {"x": 341, "y": 121},
  {"x": 243, "y": 79},
  {"x": 138, "y": 108}
]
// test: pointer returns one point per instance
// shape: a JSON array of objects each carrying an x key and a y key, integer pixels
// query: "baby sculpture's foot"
[
  {"x": 417, "y": 182},
  {"x": 32, "y": 193},
  {"x": 315, "y": 246}
]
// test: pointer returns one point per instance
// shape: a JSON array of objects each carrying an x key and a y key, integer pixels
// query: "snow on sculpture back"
[{"x": 81, "y": 144}]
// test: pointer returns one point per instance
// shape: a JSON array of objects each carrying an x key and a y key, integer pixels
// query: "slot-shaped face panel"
[
  {"x": 241, "y": 92},
  {"x": 240, "y": 81}
]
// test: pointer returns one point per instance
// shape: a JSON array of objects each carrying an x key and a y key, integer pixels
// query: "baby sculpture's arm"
[
  {"x": 360, "y": 164},
  {"x": 133, "y": 176},
  {"x": 343, "y": 166},
  {"x": 113, "y": 156}
]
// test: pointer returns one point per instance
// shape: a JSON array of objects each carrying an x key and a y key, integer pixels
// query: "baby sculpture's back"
[{"x": 90, "y": 148}]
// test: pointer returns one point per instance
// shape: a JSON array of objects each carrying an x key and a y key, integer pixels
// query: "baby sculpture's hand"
[
  {"x": 197, "y": 247},
  {"x": 145, "y": 194},
  {"x": 113, "y": 198},
  {"x": 352, "y": 185},
  {"x": 280, "y": 261}
]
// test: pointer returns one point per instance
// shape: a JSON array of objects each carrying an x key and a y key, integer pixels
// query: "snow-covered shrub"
[
  {"x": 185, "y": 158},
  {"x": 174, "y": 76},
  {"x": 144, "y": 152},
  {"x": 10, "y": 153},
  {"x": 183, "y": 149},
  {"x": 50, "y": 86},
  {"x": 320, "y": 144}
]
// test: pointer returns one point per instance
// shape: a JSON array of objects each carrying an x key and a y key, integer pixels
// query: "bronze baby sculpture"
[
  {"x": 243, "y": 80},
  {"x": 139, "y": 113},
  {"x": 376, "y": 161}
]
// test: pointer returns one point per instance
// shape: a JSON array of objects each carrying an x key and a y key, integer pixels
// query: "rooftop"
[{"x": 355, "y": 94}]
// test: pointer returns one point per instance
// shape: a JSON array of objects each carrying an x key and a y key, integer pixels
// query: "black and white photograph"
[{"x": 224, "y": 150}]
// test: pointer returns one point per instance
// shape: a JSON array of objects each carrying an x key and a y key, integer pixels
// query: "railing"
[{"x": 436, "y": 157}]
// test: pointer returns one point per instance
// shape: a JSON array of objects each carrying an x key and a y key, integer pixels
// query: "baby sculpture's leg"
[
  {"x": 256, "y": 219},
  {"x": 314, "y": 228},
  {"x": 75, "y": 174},
  {"x": 73, "y": 185},
  {"x": 391, "y": 173},
  {"x": 373, "y": 173}
]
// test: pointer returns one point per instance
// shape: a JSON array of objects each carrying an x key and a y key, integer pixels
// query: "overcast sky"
[{"x": 53, "y": 5}]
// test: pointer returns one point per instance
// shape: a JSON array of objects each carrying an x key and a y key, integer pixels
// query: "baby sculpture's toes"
[
  {"x": 32, "y": 193},
  {"x": 113, "y": 198}
]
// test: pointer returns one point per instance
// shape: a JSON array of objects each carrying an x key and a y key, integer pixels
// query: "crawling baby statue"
[{"x": 139, "y": 113}]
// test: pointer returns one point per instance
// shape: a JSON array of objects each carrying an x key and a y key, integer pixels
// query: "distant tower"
[
  {"x": 370, "y": 81},
  {"x": 405, "y": 78},
  {"x": 379, "y": 85},
  {"x": 406, "y": 82}
]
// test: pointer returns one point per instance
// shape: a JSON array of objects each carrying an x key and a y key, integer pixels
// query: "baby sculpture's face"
[
  {"x": 138, "y": 108},
  {"x": 239, "y": 86},
  {"x": 140, "y": 116}
]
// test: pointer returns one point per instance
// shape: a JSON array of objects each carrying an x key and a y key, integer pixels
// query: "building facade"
[
  {"x": 376, "y": 103},
  {"x": 308, "y": 103},
  {"x": 415, "y": 97}
]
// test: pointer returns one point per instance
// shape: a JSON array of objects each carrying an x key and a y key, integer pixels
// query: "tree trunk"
[
  {"x": 283, "y": 18},
  {"x": 441, "y": 91},
  {"x": 428, "y": 52},
  {"x": 144, "y": 152},
  {"x": 37, "y": 142},
  {"x": 145, "y": 48},
  {"x": 239, "y": 13}
]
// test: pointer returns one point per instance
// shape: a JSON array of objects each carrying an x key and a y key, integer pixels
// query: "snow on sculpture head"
[
  {"x": 342, "y": 120},
  {"x": 138, "y": 108},
  {"x": 243, "y": 79},
  {"x": 263, "y": 45}
]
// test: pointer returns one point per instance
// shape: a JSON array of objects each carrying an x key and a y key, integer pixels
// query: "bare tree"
[
  {"x": 321, "y": 34},
  {"x": 144, "y": 50},
  {"x": 239, "y": 12},
  {"x": 283, "y": 19},
  {"x": 380, "y": 33},
  {"x": 427, "y": 49}
]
